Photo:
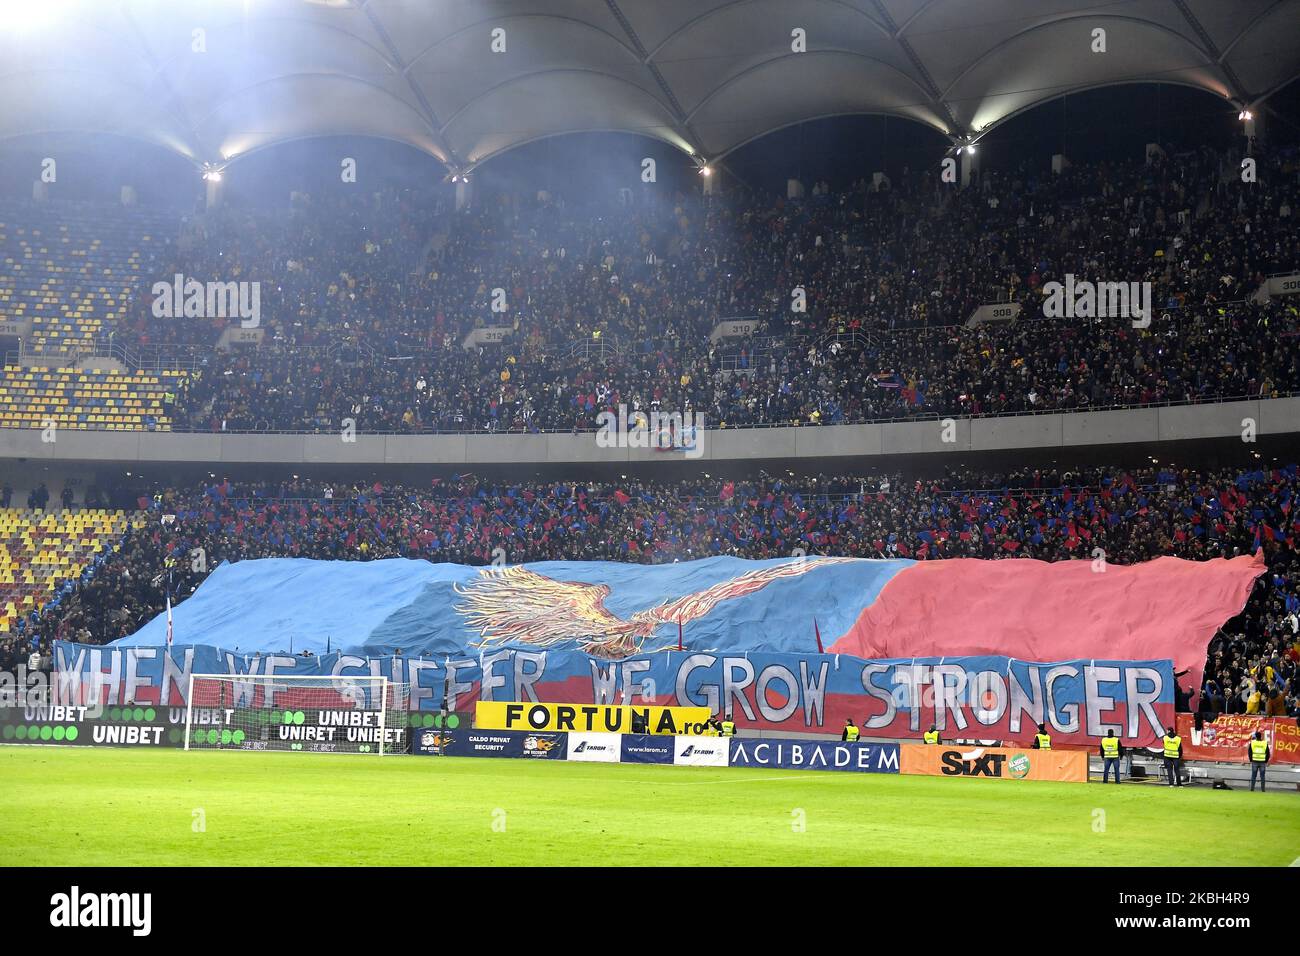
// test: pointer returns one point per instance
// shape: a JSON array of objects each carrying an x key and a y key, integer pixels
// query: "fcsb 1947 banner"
[{"x": 1226, "y": 738}]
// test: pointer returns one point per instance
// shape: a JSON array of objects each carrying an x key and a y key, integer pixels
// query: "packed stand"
[
  {"x": 366, "y": 302},
  {"x": 1040, "y": 514}
]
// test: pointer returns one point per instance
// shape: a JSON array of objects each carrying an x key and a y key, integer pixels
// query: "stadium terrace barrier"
[{"x": 1148, "y": 424}]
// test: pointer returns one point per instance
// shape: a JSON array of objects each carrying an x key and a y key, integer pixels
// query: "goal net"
[{"x": 345, "y": 714}]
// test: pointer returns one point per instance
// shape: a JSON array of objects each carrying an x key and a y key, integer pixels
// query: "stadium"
[{"x": 735, "y": 433}]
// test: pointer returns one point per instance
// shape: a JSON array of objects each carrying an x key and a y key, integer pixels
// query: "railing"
[
  {"x": 854, "y": 338},
  {"x": 891, "y": 420},
  {"x": 156, "y": 358},
  {"x": 141, "y": 358},
  {"x": 754, "y": 350},
  {"x": 603, "y": 347}
]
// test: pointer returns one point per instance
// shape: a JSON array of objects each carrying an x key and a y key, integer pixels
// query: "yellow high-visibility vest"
[
  {"x": 1258, "y": 750},
  {"x": 932, "y": 736},
  {"x": 728, "y": 728},
  {"x": 1044, "y": 741},
  {"x": 1110, "y": 746},
  {"x": 851, "y": 732},
  {"x": 1172, "y": 746}
]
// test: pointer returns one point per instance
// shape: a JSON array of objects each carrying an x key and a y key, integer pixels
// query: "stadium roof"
[{"x": 704, "y": 75}]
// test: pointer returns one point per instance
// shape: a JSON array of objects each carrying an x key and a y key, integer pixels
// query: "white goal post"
[{"x": 347, "y": 713}]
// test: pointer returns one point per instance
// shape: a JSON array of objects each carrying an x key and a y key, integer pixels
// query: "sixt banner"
[
  {"x": 1000, "y": 762},
  {"x": 859, "y": 756},
  {"x": 983, "y": 697}
]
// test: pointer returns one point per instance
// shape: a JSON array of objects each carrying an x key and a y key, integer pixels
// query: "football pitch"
[{"x": 65, "y": 806}]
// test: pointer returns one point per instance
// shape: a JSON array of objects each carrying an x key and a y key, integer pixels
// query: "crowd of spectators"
[
  {"x": 366, "y": 302},
  {"x": 1130, "y": 516},
  {"x": 856, "y": 302}
]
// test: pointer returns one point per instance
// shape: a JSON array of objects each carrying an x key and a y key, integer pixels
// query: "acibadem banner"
[{"x": 599, "y": 718}]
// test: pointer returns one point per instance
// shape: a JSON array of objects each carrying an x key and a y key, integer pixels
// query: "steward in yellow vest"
[
  {"x": 850, "y": 731},
  {"x": 1042, "y": 739},
  {"x": 1259, "y": 754},
  {"x": 728, "y": 727},
  {"x": 931, "y": 737},
  {"x": 1110, "y": 752},
  {"x": 1173, "y": 755}
]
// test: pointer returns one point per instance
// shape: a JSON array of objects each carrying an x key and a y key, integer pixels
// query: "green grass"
[{"x": 82, "y": 807}]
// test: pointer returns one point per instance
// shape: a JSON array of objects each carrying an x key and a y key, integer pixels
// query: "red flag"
[{"x": 817, "y": 631}]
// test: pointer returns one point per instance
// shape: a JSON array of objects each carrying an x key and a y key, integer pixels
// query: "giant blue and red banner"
[
  {"x": 1031, "y": 610},
  {"x": 981, "y": 649},
  {"x": 978, "y": 697}
]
